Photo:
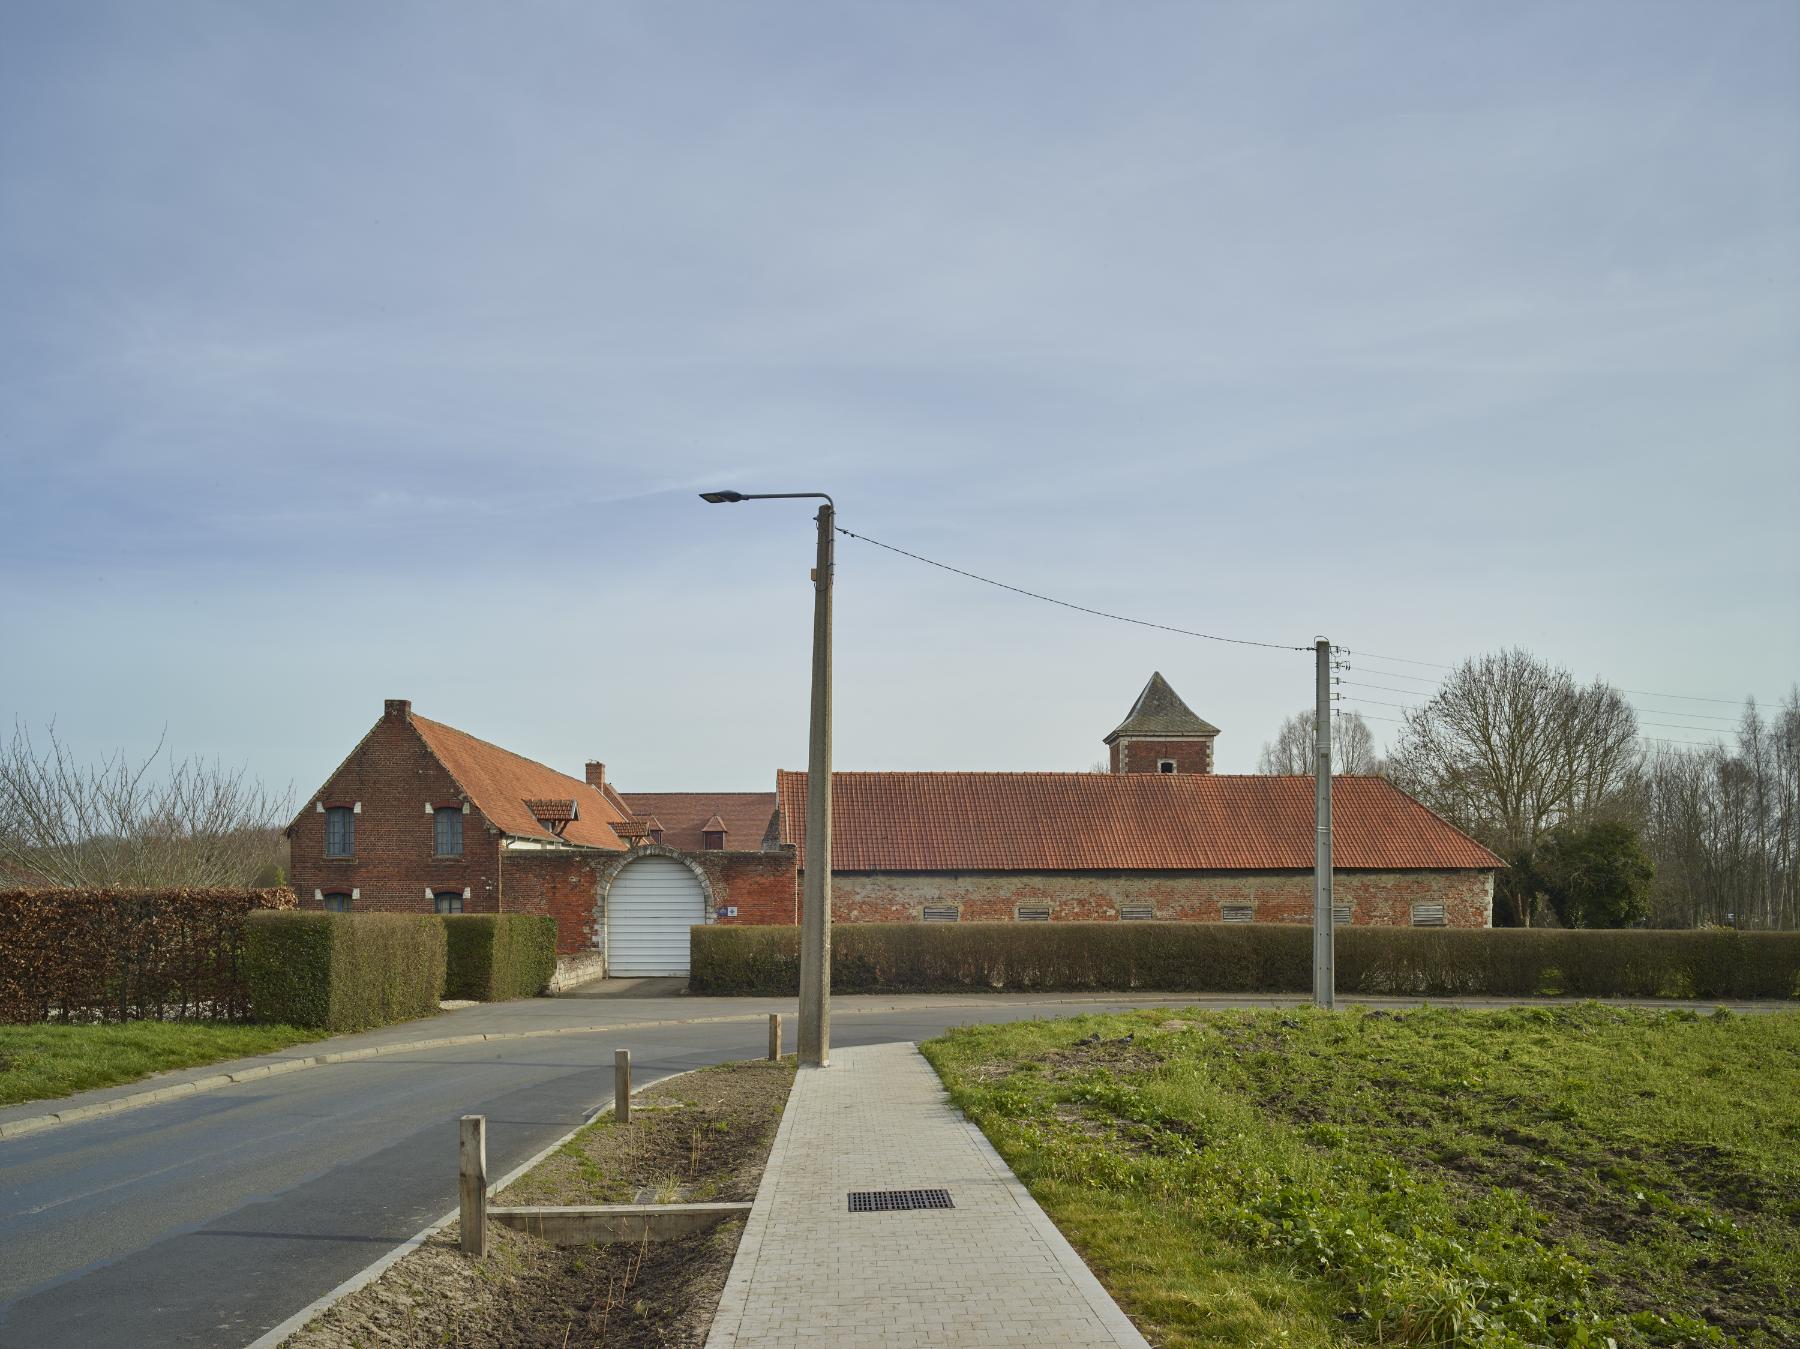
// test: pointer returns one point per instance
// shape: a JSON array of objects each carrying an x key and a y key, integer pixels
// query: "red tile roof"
[
  {"x": 685, "y": 816},
  {"x": 1122, "y": 822},
  {"x": 551, "y": 810},
  {"x": 499, "y": 783}
]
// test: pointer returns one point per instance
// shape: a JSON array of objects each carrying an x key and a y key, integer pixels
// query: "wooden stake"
[
  {"x": 471, "y": 1156},
  {"x": 622, "y": 1085},
  {"x": 774, "y": 1036}
]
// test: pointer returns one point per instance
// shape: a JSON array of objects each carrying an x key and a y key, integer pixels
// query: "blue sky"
[{"x": 355, "y": 351}]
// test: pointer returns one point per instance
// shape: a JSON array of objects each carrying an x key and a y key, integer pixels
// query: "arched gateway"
[{"x": 649, "y": 901}]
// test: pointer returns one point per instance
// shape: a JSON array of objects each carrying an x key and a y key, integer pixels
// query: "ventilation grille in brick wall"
[
  {"x": 1237, "y": 913},
  {"x": 1032, "y": 913},
  {"x": 1136, "y": 913},
  {"x": 940, "y": 913},
  {"x": 1428, "y": 915},
  {"x": 1340, "y": 914},
  {"x": 893, "y": 1201}
]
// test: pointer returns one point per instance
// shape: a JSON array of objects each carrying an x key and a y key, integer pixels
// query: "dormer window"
[
  {"x": 1165, "y": 765},
  {"x": 712, "y": 834},
  {"x": 554, "y": 814}
]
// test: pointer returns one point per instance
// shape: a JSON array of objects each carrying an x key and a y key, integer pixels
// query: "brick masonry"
[
  {"x": 1128, "y": 755},
  {"x": 391, "y": 776},
  {"x": 561, "y": 884},
  {"x": 1376, "y": 898}
]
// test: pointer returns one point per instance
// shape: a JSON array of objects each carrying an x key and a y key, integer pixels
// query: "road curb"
[{"x": 366, "y": 1276}]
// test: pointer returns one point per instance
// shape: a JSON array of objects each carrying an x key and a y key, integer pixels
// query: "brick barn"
[{"x": 422, "y": 817}]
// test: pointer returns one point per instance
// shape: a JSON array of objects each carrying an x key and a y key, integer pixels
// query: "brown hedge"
[
  {"x": 125, "y": 955},
  {"x": 1252, "y": 958}
]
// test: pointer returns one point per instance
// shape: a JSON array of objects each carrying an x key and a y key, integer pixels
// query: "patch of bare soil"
[{"x": 705, "y": 1136}]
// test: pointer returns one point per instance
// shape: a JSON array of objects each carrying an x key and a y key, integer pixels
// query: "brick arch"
[{"x": 610, "y": 872}]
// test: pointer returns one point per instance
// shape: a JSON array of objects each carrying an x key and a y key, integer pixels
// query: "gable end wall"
[{"x": 392, "y": 774}]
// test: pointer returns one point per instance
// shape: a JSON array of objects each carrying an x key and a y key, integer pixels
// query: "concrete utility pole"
[
  {"x": 1324, "y": 944},
  {"x": 815, "y": 913}
]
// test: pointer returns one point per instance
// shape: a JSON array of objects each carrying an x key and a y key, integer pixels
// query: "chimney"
[
  {"x": 596, "y": 773},
  {"x": 397, "y": 709}
]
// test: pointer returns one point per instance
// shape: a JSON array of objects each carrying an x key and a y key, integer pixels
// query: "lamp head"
[{"x": 717, "y": 497}]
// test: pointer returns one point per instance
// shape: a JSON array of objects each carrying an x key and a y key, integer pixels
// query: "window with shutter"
[
  {"x": 449, "y": 820},
  {"x": 1428, "y": 915},
  {"x": 340, "y": 831}
]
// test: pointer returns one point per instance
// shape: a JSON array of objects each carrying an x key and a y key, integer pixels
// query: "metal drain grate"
[{"x": 887, "y": 1201}]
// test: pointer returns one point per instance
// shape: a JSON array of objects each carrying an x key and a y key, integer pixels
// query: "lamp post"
[{"x": 815, "y": 909}]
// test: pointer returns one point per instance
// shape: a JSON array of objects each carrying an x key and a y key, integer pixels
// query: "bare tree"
[
  {"x": 1509, "y": 748},
  {"x": 115, "y": 822},
  {"x": 1723, "y": 825},
  {"x": 1295, "y": 748}
]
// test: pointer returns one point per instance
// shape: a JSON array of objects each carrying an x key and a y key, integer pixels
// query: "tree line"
[
  {"x": 128, "y": 823},
  {"x": 1598, "y": 826}
]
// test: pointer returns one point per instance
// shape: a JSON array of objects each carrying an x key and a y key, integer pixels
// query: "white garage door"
[{"x": 649, "y": 909}]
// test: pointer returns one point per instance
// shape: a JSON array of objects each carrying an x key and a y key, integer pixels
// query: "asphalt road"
[{"x": 210, "y": 1219}]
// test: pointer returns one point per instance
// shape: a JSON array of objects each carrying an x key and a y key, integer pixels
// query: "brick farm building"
[{"x": 421, "y": 817}]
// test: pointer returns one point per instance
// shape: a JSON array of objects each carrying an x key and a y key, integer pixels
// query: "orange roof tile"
[
  {"x": 1119, "y": 822},
  {"x": 499, "y": 783},
  {"x": 745, "y": 815}
]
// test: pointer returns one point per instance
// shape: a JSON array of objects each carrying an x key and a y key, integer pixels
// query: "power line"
[
  {"x": 1079, "y": 608},
  {"x": 1641, "y": 693}
]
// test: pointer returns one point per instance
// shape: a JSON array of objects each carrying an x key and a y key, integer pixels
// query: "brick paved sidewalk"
[{"x": 991, "y": 1271}]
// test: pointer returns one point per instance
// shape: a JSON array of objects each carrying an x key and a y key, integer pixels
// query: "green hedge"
[
  {"x": 1252, "y": 958},
  {"x": 343, "y": 971},
  {"x": 495, "y": 956}
]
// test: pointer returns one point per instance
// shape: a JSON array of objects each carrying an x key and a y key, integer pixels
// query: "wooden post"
[
  {"x": 471, "y": 1156},
  {"x": 622, "y": 1085},
  {"x": 774, "y": 1036}
]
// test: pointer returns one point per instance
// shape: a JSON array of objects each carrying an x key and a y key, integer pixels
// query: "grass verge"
[
  {"x": 42, "y": 1062},
  {"x": 1569, "y": 1176}
]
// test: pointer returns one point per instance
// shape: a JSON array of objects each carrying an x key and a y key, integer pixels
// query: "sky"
[{"x": 353, "y": 351}]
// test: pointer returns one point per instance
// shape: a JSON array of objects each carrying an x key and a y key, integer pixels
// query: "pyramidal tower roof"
[{"x": 1159, "y": 711}]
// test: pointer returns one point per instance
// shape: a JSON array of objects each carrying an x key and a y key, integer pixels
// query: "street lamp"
[{"x": 815, "y": 908}]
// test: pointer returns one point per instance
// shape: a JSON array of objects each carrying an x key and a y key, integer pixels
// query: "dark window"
[
  {"x": 1165, "y": 765},
  {"x": 449, "y": 831},
  {"x": 448, "y": 901},
  {"x": 337, "y": 903},
  {"x": 340, "y": 831},
  {"x": 712, "y": 838}
]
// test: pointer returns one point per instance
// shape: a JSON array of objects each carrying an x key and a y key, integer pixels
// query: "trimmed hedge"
[
  {"x": 1252, "y": 958},
  {"x": 343, "y": 971},
  {"x": 126, "y": 955},
  {"x": 495, "y": 956}
]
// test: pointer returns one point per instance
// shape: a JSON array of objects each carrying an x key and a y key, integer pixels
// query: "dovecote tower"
[{"x": 1162, "y": 735}]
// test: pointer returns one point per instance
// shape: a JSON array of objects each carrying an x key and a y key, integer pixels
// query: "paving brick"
[{"x": 992, "y": 1270}]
